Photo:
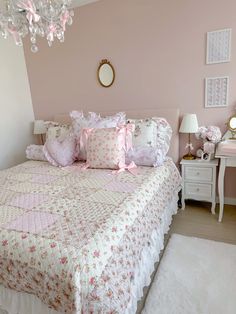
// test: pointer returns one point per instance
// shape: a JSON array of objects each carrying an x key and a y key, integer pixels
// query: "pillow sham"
[
  {"x": 92, "y": 120},
  {"x": 57, "y": 131},
  {"x": 151, "y": 142},
  {"x": 60, "y": 152},
  {"x": 106, "y": 148},
  {"x": 35, "y": 152}
]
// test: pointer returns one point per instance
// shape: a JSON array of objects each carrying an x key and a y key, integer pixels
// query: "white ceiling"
[{"x": 78, "y": 3}]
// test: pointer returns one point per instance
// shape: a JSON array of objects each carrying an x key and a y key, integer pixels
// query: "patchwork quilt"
[{"x": 73, "y": 237}]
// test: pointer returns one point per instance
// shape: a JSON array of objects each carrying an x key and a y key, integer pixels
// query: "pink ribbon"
[
  {"x": 83, "y": 140},
  {"x": 64, "y": 18},
  {"x": 132, "y": 168},
  {"x": 13, "y": 31},
  {"x": 30, "y": 8},
  {"x": 126, "y": 138},
  {"x": 130, "y": 127},
  {"x": 51, "y": 30}
]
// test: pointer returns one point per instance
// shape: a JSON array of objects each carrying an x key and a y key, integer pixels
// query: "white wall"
[{"x": 16, "y": 111}]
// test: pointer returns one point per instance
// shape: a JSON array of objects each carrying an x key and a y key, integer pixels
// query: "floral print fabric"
[
  {"x": 56, "y": 131},
  {"x": 74, "y": 239},
  {"x": 35, "y": 152},
  {"x": 92, "y": 120},
  {"x": 151, "y": 142}
]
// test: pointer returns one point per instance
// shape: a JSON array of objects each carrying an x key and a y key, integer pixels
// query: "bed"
[{"x": 74, "y": 241}]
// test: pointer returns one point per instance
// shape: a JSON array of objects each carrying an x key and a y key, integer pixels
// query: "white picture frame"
[
  {"x": 219, "y": 46},
  {"x": 216, "y": 92}
]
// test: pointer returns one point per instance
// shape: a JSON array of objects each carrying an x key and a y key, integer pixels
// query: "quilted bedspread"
[{"x": 73, "y": 238}]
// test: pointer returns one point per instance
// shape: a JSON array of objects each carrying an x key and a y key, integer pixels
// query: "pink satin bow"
[
  {"x": 126, "y": 139},
  {"x": 64, "y": 18},
  {"x": 30, "y": 8},
  {"x": 132, "y": 168}
]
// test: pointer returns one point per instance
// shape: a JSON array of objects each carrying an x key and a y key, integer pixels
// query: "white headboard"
[{"x": 171, "y": 115}]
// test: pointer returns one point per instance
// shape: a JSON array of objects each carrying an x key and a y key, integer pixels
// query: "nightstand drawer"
[
  {"x": 198, "y": 174},
  {"x": 199, "y": 190}
]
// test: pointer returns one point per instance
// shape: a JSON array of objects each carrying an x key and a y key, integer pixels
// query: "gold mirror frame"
[
  {"x": 232, "y": 130},
  {"x": 105, "y": 61}
]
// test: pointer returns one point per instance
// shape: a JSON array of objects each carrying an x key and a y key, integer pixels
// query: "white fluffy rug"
[{"x": 195, "y": 276}]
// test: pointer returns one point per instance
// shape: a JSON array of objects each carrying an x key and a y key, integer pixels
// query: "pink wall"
[{"x": 157, "y": 48}]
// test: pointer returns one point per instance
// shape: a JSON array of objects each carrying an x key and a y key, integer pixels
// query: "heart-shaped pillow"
[{"x": 60, "y": 153}]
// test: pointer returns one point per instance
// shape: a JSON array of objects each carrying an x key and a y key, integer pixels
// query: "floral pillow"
[
  {"x": 92, "y": 120},
  {"x": 57, "y": 131},
  {"x": 152, "y": 142},
  {"x": 145, "y": 133},
  {"x": 60, "y": 152},
  {"x": 106, "y": 148},
  {"x": 35, "y": 152}
]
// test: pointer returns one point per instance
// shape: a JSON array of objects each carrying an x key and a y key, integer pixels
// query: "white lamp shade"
[
  {"x": 189, "y": 123},
  {"x": 39, "y": 127}
]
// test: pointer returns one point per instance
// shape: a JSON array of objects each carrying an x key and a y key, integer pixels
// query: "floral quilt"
[{"x": 73, "y": 237}]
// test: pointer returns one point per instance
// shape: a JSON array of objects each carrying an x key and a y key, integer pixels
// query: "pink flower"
[
  {"x": 92, "y": 281},
  {"x": 32, "y": 249},
  {"x": 24, "y": 236},
  {"x": 53, "y": 245},
  {"x": 114, "y": 229},
  {"x": 63, "y": 260},
  {"x": 96, "y": 253},
  {"x": 4, "y": 242}
]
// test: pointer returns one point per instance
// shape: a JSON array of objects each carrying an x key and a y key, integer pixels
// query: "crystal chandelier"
[{"x": 44, "y": 18}]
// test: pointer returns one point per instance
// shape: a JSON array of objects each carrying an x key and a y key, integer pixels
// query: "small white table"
[
  {"x": 224, "y": 162},
  {"x": 199, "y": 181}
]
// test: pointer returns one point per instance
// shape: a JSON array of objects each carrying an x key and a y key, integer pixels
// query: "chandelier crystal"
[{"x": 43, "y": 18}]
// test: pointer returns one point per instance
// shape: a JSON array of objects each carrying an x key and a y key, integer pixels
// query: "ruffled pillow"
[
  {"x": 151, "y": 142},
  {"x": 106, "y": 148},
  {"x": 92, "y": 120},
  {"x": 60, "y": 153},
  {"x": 35, "y": 152}
]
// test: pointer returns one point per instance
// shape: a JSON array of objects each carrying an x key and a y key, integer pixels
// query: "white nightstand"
[{"x": 199, "y": 181}]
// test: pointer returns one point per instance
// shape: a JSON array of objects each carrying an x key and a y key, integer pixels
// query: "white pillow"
[{"x": 151, "y": 142}]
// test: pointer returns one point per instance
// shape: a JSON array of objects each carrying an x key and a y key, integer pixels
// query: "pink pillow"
[
  {"x": 106, "y": 148},
  {"x": 92, "y": 120},
  {"x": 60, "y": 153}
]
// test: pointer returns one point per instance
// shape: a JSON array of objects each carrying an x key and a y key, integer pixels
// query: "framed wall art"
[
  {"x": 219, "y": 46},
  {"x": 216, "y": 92}
]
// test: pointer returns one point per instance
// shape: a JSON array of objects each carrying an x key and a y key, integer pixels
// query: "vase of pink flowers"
[{"x": 210, "y": 135}]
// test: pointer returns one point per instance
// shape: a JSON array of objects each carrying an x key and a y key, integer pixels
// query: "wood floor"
[{"x": 197, "y": 221}]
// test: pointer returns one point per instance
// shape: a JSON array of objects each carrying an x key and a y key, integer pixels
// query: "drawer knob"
[
  {"x": 198, "y": 189},
  {"x": 198, "y": 173}
]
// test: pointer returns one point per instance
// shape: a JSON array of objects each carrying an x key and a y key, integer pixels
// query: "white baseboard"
[{"x": 228, "y": 200}]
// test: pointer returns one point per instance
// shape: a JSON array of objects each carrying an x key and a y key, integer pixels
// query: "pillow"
[
  {"x": 151, "y": 142},
  {"x": 145, "y": 133},
  {"x": 60, "y": 152},
  {"x": 57, "y": 131},
  {"x": 106, "y": 148},
  {"x": 35, "y": 152},
  {"x": 111, "y": 121},
  {"x": 92, "y": 120}
]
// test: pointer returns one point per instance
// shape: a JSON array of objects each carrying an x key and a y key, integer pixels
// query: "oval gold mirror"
[
  {"x": 232, "y": 126},
  {"x": 106, "y": 73}
]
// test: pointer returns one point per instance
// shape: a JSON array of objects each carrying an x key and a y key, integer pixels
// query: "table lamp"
[
  {"x": 189, "y": 125},
  {"x": 39, "y": 128}
]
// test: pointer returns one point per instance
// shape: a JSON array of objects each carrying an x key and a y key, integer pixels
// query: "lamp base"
[{"x": 189, "y": 156}]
